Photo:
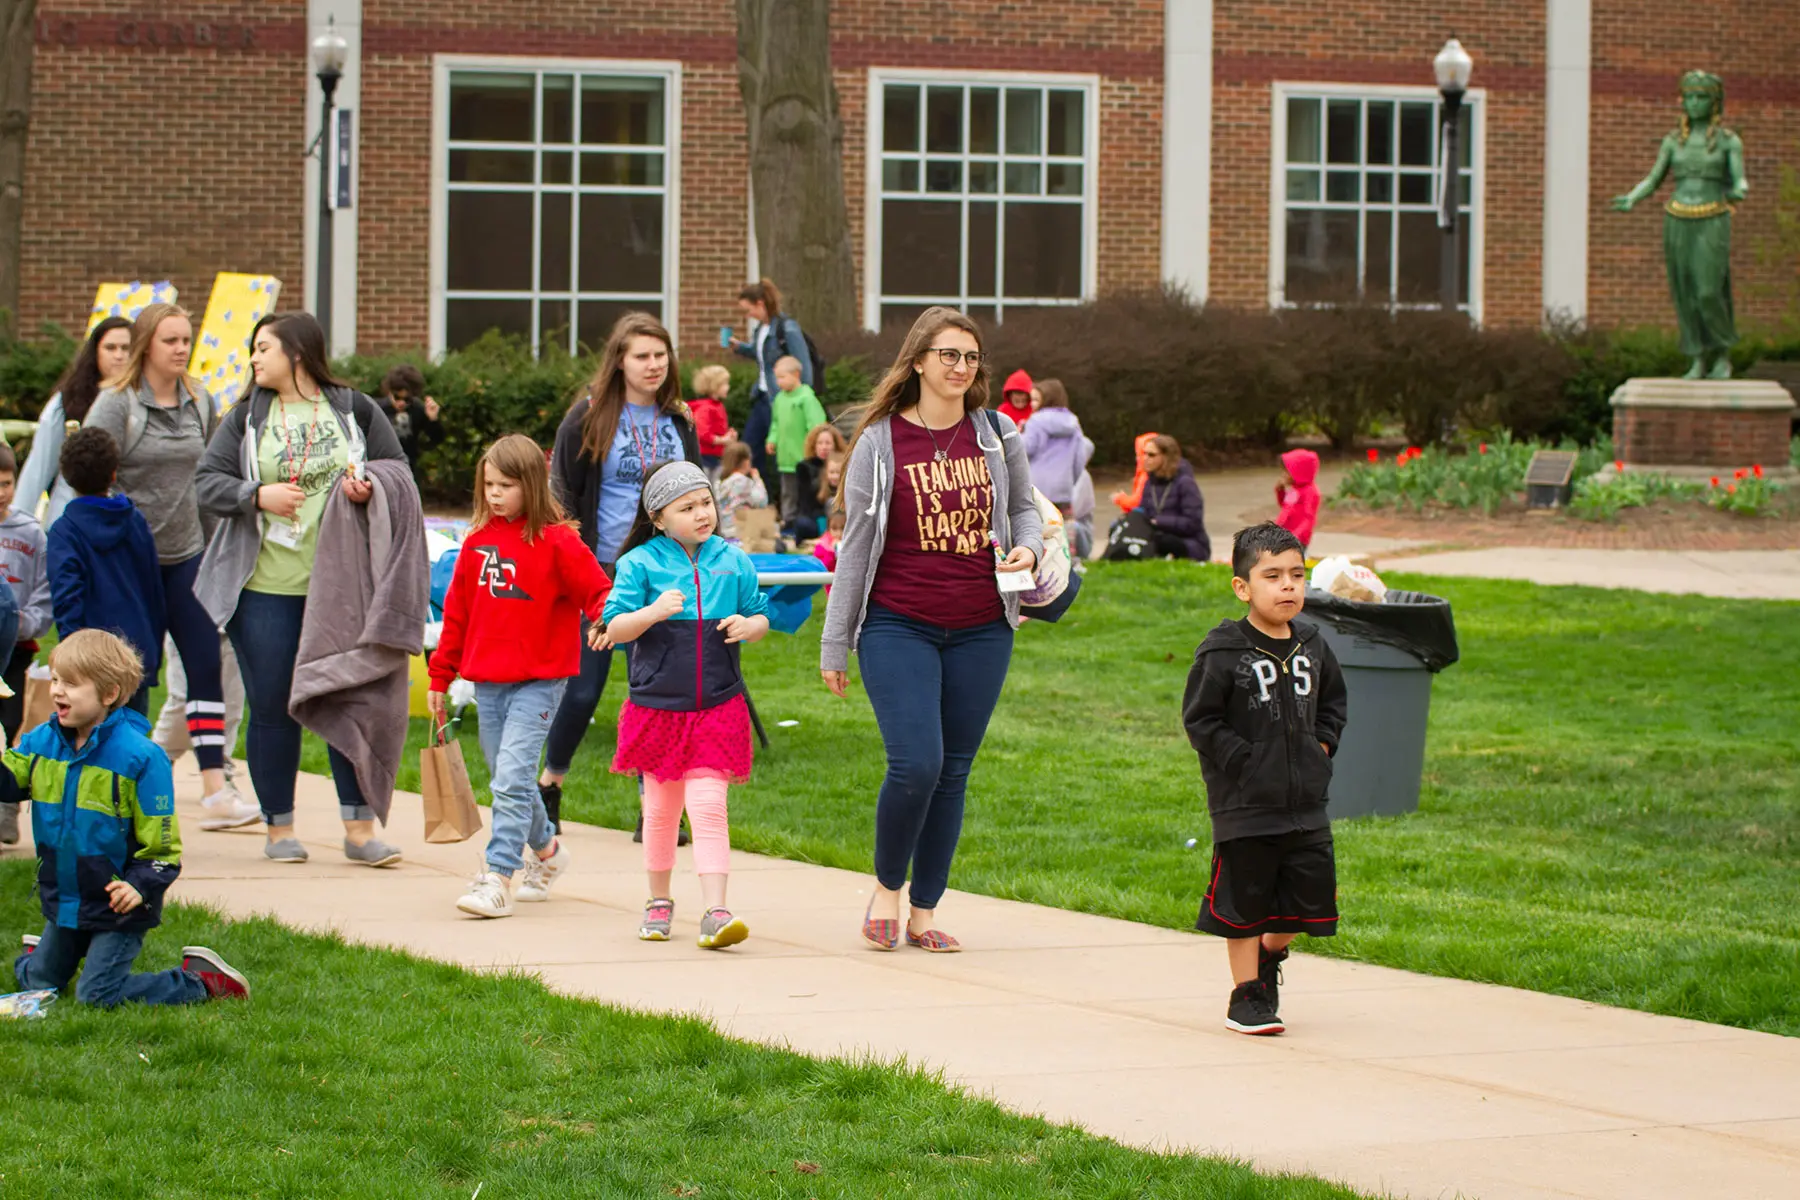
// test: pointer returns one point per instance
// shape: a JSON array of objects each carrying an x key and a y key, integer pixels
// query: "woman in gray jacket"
[{"x": 940, "y": 534}]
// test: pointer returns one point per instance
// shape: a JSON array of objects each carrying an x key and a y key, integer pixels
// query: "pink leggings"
[{"x": 704, "y": 796}]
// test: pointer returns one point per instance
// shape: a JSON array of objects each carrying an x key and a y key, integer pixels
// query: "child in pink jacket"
[{"x": 1298, "y": 495}]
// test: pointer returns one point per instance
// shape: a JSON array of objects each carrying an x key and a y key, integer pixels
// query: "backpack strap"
[{"x": 137, "y": 417}]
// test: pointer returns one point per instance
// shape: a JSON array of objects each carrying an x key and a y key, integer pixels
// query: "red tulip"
[
  {"x": 1757, "y": 470},
  {"x": 1484, "y": 447},
  {"x": 1731, "y": 489},
  {"x": 1739, "y": 473},
  {"x": 1414, "y": 451},
  {"x": 1374, "y": 454},
  {"x": 1715, "y": 481},
  {"x": 1619, "y": 465}
]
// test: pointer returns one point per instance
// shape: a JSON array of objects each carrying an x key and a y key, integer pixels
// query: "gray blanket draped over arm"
[{"x": 365, "y": 617}]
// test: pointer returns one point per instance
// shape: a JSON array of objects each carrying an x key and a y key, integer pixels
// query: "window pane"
[
  {"x": 1321, "y": 256},
  {"x": 1381, "y": 131},
  {"x": 921, "y": 248},
  {"x": 491, "y": 107},
  {"x": 489, "y": 242},
  {"x": 621, "y": 243},
  {"x": 900, "y": 118},
  {"x": 553, "y": 242},
  {"x": 1024, "y": 179},
  {"x": 900, "y": 316},
  {"x": 943, "y": 177},
  {"x": 1303, "y": 131},
  {"x": 622, "y": 112},
  {"x": 1343, "y": 186},
  {"x": 1378, "y": 251},
  {"x": 466, "y": 320},
  {"x": 983, "y": 314},
  {"x": 984, "y": 121},
  {"x": 1465, "y": 189},
  {"x": 984, "y": 177},
  {"x": 1421, "y": 255},
  {"x": 1417, "y": 130},
  {"x": 559, "y": 108},
  {"x": 1043, "y": 250},
  {"x": 943, "y": 120},
  {"x": 553, "y": 324},
  {"x": 1062, "y": 179},
  {"x": 594, "y": 319},
  {"x": 490, "y": 166},
  {"x": 1415, "y": 189},
  {"x": 1381, "y": 188},
  {"x": 983, "y": 240},
  {"x": 900, "y": 176},
  {"x": 1343, "y": 130},
  {"x": 622, "y": 170},
  {"x": 1066, "y": 122},
  {"x": 558, "y": 167},
  {"x": 1302, "y": 185},
  {"x": 1024, "y": 121}
]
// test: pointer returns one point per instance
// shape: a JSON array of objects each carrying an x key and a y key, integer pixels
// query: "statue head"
[{"x": 1702, "y": 102}]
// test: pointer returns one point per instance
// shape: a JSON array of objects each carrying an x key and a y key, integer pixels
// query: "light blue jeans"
[{"x": 515, "y": 720}]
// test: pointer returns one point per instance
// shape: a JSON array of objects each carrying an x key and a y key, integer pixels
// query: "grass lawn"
[
  {"x": 357, "y": 1072},
  {"x": 1610, "y": 808}
]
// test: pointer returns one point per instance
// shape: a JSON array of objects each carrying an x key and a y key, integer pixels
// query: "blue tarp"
[{"x": 790, "y": 604}]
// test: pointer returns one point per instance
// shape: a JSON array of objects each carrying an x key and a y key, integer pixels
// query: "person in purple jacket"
[
  {"x": 1055, "y": 447},
  {"x": 1172, "y": 502}
]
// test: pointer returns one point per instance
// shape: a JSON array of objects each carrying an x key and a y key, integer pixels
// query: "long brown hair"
[
  {"x": 302, "y": 339},
  {"x": 516, "y": 456},
  {"x": 143, "y": 332},
  {"x": 81, "y": 382},
  {"x": 765, "y": 293},
  {"x": 899, "y": 388},
  {"x": 1053, "y": 393},
  {"x": 606, "y": 390},
  {"x": 1171, "y": 456}
]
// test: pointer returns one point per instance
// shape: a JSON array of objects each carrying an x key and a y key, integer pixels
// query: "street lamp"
[
  {"x": 329, "y": 53},
  {"x": 1452, "y": 66}
]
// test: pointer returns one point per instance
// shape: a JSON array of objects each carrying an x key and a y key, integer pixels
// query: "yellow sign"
[
  {"x": 128, "y": 300},
  {"x": 221, "y": 350}
]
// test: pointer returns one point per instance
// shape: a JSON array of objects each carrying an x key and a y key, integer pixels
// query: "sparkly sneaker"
[
  {"x": 489, "y": 895},
  {"x": 659, "y": 916},
  {"x": 227, "y": 809},
  {"x": 221, "y": 980},
  {"x": 719, "y": 929},
  {"x": 540, "y": 873},
  {"x": 1251, "y": 1012},
  {"x": 1268, "y": 971}
]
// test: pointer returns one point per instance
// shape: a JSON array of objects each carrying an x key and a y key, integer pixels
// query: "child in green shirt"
[{"x": 795, "y": 411}]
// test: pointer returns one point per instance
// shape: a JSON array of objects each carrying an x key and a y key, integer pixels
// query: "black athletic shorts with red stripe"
[{"x": 1279, "y": 883}]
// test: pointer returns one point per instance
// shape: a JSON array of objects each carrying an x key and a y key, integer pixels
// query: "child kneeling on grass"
[
  {"x": 512, "y": 627},
  {"x": 688, "y": 598},
  {"x": 1265, "y": 706},
  {"x": 102, "y": 792}
]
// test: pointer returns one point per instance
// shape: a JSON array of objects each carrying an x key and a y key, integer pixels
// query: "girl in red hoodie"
[
  {"x": 1298, "y": 495},
  {"x": 1015, "y": 398},
  {"x": 512, "y": 627}
]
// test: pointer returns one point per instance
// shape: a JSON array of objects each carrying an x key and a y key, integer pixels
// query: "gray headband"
[{"x": 671, "y": 481}]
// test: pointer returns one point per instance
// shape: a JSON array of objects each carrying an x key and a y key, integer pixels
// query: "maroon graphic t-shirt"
[{"x": 938, "y": 564}]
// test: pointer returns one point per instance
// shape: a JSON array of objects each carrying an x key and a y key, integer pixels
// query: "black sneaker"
[
  {"x": 552, "y": 794},
  {"x": 682, "y": 837},
  {"x": 1251, "y": 1010},
  {"x": 1268, "y": 970}
]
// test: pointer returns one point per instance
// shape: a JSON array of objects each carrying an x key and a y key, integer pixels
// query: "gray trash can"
[{"x": 1389, "y": 653}]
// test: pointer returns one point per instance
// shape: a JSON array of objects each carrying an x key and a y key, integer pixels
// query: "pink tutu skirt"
[{"x": 668, "y": 745}]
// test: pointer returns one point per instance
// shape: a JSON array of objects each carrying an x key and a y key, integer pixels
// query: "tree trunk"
[
  {"x": 797, "y": 158},
  {"x": 18, "y": 29}
]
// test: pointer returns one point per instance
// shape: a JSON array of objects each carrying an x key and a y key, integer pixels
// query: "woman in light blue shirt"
[{"x": 101, "y": 357}]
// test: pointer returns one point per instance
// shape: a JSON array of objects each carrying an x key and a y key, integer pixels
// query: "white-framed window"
[
  {"x": 555, "y": 199},
  {"x": 1353, "y": 212},
  {"x": 981, "y": 192}
]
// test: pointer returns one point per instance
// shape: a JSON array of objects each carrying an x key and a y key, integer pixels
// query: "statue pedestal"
[{"x": 1694, "y": 428}]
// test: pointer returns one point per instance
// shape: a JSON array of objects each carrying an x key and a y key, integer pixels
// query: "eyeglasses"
[{"x": 950, "y": 357}]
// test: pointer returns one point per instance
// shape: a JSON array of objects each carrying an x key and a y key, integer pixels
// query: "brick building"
[{"x": 540, "y": 165}]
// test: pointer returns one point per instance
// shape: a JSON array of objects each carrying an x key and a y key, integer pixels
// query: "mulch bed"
[{"x": 1691, "y": 526}]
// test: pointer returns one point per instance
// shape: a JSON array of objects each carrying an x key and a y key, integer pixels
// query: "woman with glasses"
[{"x": 941, "y": 532}]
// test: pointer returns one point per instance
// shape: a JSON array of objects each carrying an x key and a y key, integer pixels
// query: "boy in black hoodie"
[
  {"x": 103, "y": 566},
  {"x": 1265, "y": 707}
]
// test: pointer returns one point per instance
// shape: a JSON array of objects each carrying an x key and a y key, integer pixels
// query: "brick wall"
[
  {"x": 162, "y": 148},
  {"x": 1700, "y": 437},
  {"x": 1639, "y": 58}
]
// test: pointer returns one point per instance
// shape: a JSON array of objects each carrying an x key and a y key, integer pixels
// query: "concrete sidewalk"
[
  {"x": 1733, "y": 574},
  {"x": 1387, "y": 1081}
]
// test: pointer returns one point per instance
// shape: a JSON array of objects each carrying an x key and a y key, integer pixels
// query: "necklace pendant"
[{"x": 940, "y": 456}]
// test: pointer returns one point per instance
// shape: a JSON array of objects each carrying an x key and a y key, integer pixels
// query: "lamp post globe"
[
  {"x": 330, "y": 51},
  {"x": 1452, "y": 68}
]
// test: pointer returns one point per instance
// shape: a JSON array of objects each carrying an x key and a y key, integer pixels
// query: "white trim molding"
[
  {"x": 1568, "y": 100},
  {"x": 1187, "y": 145},
  {"x": 444, "y": 66}
]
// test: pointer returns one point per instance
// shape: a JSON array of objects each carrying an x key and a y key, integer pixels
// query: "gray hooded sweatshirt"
[
  {"x": 868, "y": 490},
  {"x": 23, "y": 561}
]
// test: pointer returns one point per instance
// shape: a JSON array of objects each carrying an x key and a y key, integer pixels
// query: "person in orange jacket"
[{"x": 1130, "y": 500}]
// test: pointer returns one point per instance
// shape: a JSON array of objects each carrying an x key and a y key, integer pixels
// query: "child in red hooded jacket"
[
  {"x": 1298, "y": 495},
  {"x": 1015, "y": 398}
]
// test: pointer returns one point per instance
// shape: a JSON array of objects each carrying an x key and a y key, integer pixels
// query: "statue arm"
[
  {"x": 1734, "y": 164},
  {"x": 1651, "y": 182}
]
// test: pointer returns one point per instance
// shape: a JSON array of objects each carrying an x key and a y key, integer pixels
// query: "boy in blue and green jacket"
[{"x": 103, "y": 818}]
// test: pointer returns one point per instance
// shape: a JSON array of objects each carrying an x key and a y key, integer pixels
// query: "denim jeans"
[
  {"x": 515, "y": 720},
  {"x": 107, "y": 979},
  {"x": 580, "y": 698},
  {"x": 265, "y": 632},
  {"x": 933, "y": 690}
]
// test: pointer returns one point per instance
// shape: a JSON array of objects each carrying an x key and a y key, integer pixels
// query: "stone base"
[{"x": 1702, "y": 426}]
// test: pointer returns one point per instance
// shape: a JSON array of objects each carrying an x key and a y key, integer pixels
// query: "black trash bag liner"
[{"x": 1414, "y": 622}]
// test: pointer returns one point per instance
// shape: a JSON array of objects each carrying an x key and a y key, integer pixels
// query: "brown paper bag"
[
  {"x": 756, "y": 529},
  {"x": 37, "y": 703},
  {"x": 451, "y": 814}
]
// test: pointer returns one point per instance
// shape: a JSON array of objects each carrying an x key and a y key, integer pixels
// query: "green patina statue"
[{"x": 1707, "y": 161}]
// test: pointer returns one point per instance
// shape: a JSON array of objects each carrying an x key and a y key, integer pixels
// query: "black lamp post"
[
  {"x": 1452, "y": 66},
  {"x": 329, "y": 53}
]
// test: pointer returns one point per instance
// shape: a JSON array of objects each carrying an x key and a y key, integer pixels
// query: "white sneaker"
[
  {"x": 540, "y": 873},
  {"x": 227, "y": 809},
  {"x": 489, "y": 895}
]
